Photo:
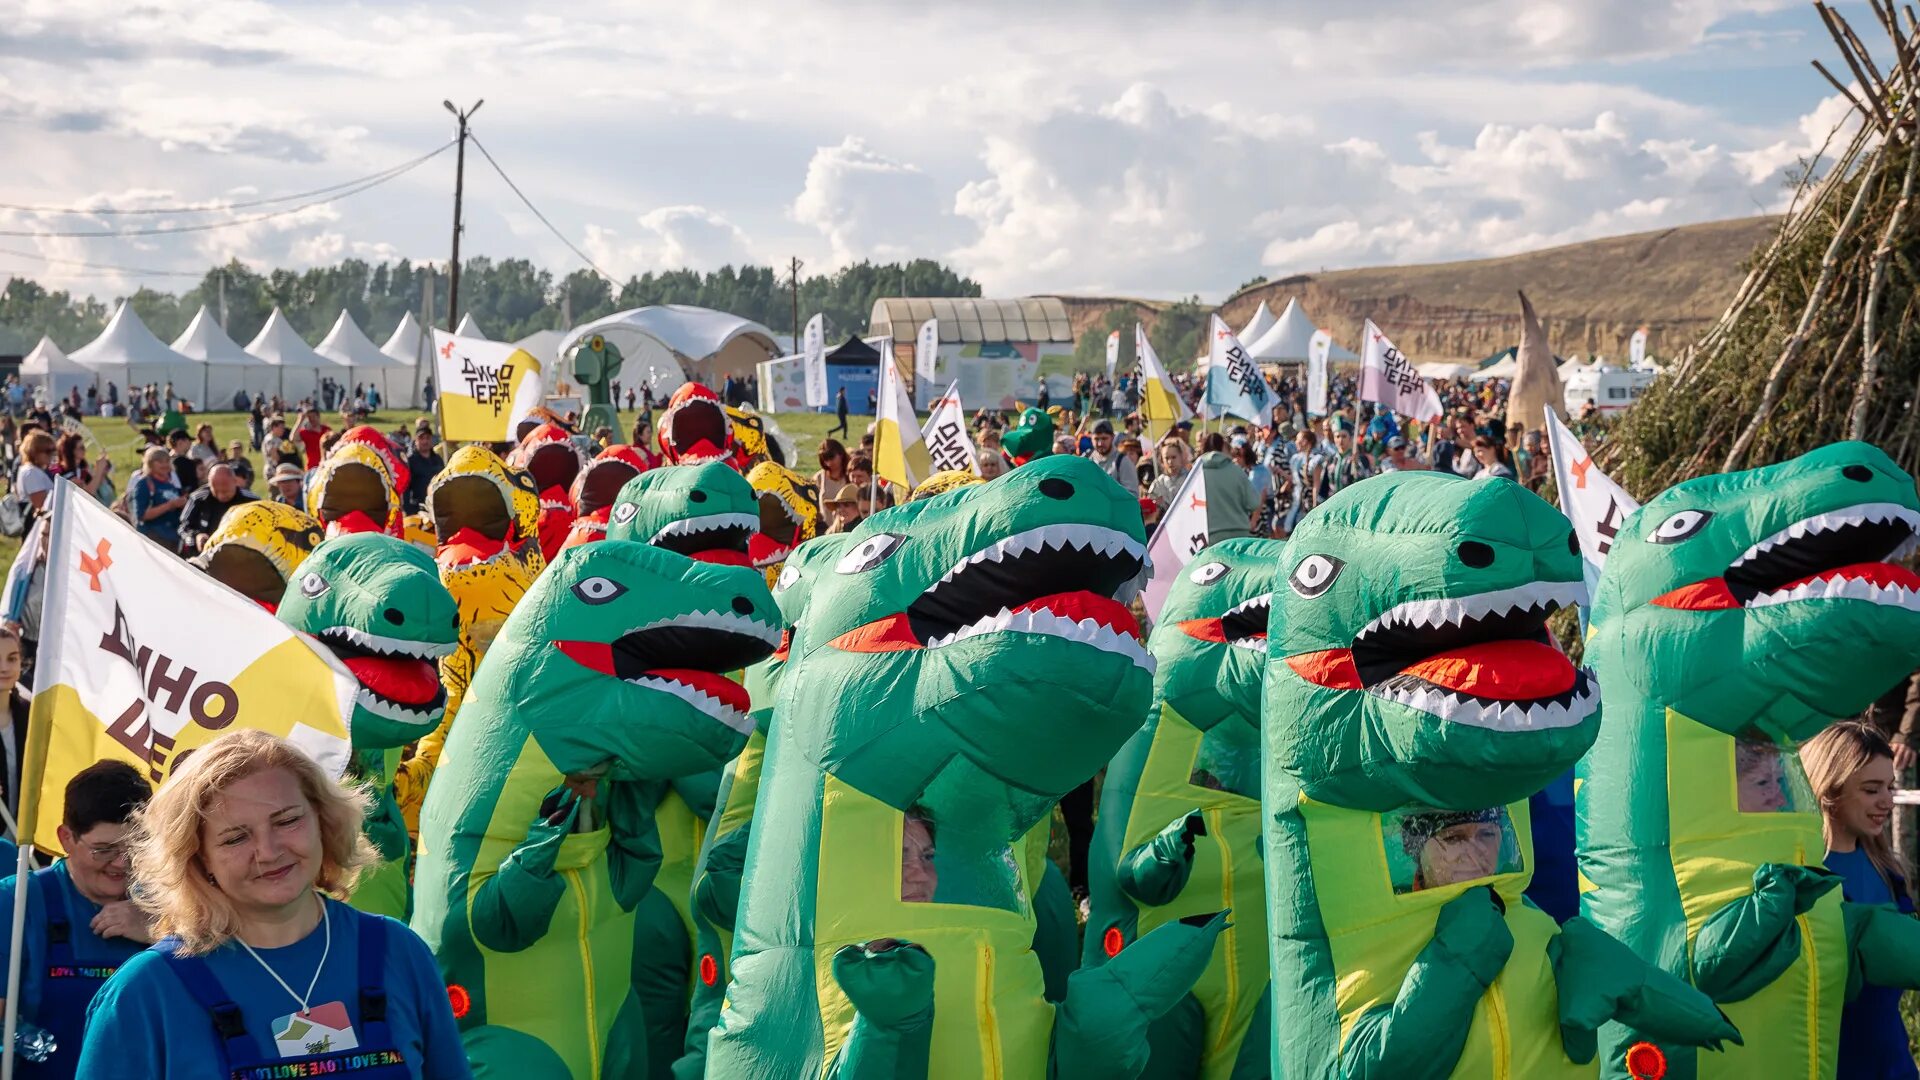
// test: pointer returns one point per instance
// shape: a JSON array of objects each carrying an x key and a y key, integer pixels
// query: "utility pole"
[
  {"x": 459, "y": 184},
  {"x": 793, "y": 287}
]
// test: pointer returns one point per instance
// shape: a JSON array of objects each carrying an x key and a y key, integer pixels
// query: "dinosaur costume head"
[
  {"x": 482, "y": 509},
  {"x": 353, "y": 492},
  {"x": 1210, "y": 644},
  {"x": 630, "y": 646},
  {"x": 548, "y": 454},
  {"x": 1772, "y": 595},
  {"x": 789, "y": 515},
  {"x": 257, "y": 548},
  {"x": 371, "y": 437},
  {"x": 695, "y": 426},
  {"x": 993, "y": 622},
  {"x": 705, "y": 511},
  {"x": 1410, "y": 659},
  {"x": 791, "y": 591},
  {"x": 1030, "y": 438},
  {"x": 377, "y": 602},
  {"x": 750, "y": 443},
  {"x": 598, "y": 486}
]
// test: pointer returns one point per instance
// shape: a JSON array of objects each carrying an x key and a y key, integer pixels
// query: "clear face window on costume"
[{"x": 1428, "y": 849}]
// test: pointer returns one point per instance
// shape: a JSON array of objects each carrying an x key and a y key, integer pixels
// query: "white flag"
[
  {"x": 1637, "y": 350},
  {"x": 948, "y": 444},
  {"x": 1113, "y": 353},
  {"x": 1181, "y": 534},
  {"x": 1590, "y": 499},
  {"x": 1159, "y": 398},
  {"x": 926, "y": 351},
  {"x": 1317, "y": 350},
  {"x": 145, "y": 658},
  {"x": 486, "y": 388},
  {"x": 1388, "y": 378},
  {"x": 814, "y": 359}
]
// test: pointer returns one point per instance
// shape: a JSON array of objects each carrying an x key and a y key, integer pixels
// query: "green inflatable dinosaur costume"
[
  {"x": 1179, "y": 825},
  {"x": 537, "y": 839},
  {"x": 964, "y": 662},
  {"x": 1414, "y": 702},
  {"x": 377, "y": 602},
  {"x": 1737, "y": 616},
  {"x": 709, "y": 513}
]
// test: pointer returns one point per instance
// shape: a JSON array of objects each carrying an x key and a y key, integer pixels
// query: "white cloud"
[
  {"x": 670, "y": 237},
  {"x": 865, "y": 204}
]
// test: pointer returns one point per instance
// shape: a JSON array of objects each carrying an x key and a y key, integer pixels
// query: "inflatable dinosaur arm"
[
  {"x": 1599, "y": 980},
  {"x": 1157, "y": 871},
  {"x": 1100, "y": 1030},
  {"x": 512, "y": 908},
  {"x": 385, "y": 827},
  {"x": 890, "y": 984},
  {"x": 633, "y": 852},
  {"x": 716, "y": 892},
  {"x": 1422, "y": 1033},
  {"x": 700, "y": 791},
  {"x": 1883, "y": 946},
  {"x": 1747, "y": 944}
]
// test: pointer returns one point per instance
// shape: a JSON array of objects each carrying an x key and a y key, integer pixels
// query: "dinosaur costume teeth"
[
  {"x": 718, "y": 538},
  {"x": 732, "y": 715},
  {"x": 1244, "y": 626},
  {"x": 1841, "y": 554},
  {"x": 380, "y": 645},
  {"x": 695, "y": 427}
]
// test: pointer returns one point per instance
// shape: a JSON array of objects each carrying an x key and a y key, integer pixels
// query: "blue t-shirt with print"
[
  {"x": 89, "y": 951},
  {"x": 144, "y": 1025},
  {"x": 1873, "y": 1040}
]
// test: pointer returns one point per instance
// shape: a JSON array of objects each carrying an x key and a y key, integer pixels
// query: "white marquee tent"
[
  {"x": 127, "y": 353},
  {"x": 301, "y": 369},
  {"x": 1261, "y": 322},
  {"x": 404, "y": 346},
  {"x": 347, "y": 344},
  {"x": 470, "y": 328},
  {"x": 1286, "y": 341},
  {"x": 666, "y": 344},
  {"x": 226, "y": 369},
  {"x": 46, "y": 366}
]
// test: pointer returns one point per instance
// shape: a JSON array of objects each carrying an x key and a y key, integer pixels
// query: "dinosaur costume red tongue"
[
  {"x": 722, "y": 557},
  {"x": 764, "y": 550},
  {"x": 1713, "y": 594},
  {"x": 354, "y": 521},
  {"x": 404, "y": 679},
  {"x": 469, "y": 545},
  {"x": 712, "y": 684},
  {"x": 1495, "y": 670},
  {"x": 1082, "y": 605}
]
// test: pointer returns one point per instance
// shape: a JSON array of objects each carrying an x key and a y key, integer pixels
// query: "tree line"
[{"x": 509, "y": 298}]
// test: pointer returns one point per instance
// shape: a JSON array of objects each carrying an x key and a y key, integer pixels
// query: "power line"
[
  {"x": 247, "y": 205},
  {"x": 558, "y": 235},
  {"x": 100, "y": 266},
  {"x": 170, "y": 230}
]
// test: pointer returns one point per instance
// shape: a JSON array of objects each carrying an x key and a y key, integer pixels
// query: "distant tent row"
[
  {"x": 210, "y": 369},
  {"x": 1285, "y": 340}
]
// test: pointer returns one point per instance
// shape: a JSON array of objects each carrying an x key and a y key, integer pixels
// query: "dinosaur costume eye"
[
  {"x": 598, "y": 343},
  {"x": 1681, "y": 526},
  {"x": 1207, "y": 573},
  {"x": 624, "y": 512},
  {"x": 871, "y": 552},
  {"x": 1315, "y": 575},
  {"x": 312, "y": 585},
  {"x": 598, "y": 590},
  {"x": 788, "y": 576}
]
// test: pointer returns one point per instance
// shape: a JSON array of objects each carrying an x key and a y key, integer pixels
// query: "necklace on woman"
[{"x": 325, "y": 947}]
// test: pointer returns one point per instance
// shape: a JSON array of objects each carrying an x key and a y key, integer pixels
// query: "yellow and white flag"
[
  {"x": 899, "y": 457},
  {"x": 144, "y": 658},
  {"x": 1160, "y": 400},
  {"x": 486, "y": 387}
]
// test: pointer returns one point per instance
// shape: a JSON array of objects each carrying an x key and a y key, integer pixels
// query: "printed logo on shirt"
[
  {"x": 72, "y": 971},
  {"x": 323, "y": 1029},
  {"x": 330, "y": 1065}
]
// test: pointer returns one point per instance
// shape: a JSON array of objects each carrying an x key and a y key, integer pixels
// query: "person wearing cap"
[
  {"x": 1398, "y": 459},
  {"x": 236, "y": 456},
  {"x": 843, "y": 507},
  {"x": 1110, "y": 460},
  {"x": 289, "y": 483},
  {"x": 423, "y": 464}
]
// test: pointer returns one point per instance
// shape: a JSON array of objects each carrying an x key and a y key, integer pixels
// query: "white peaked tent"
[
  {"x": 1261, "y": 322},
  {"x": 301, "y": 369},
  {"x": 404, "y": 347},
  {"x": 1286, "y": 341},
  {"x": 469, "y": 328},
  {"x": 128, "y": 354},
  {"x": 347, "y": 344},
  {"x": 46, "y": 366},
  {"x": 226, "y": 368}
]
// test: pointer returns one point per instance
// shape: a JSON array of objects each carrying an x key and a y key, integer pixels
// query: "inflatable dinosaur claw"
[
  {"x": 1598, "y": 980},
  {"x": 1102, "y": 1026}
]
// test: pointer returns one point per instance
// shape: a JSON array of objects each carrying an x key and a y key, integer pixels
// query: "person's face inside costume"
[
  {"x": 1762, "y": 781},
  {"x": 9, "y": 664},
  {"x": 1865, "y": 801},
  {"x": 260, "y": 840},
  {"x": 918, "y": 877},
  {"x": 98, "y": 860},
  {"x": 1459, "y": 853}
]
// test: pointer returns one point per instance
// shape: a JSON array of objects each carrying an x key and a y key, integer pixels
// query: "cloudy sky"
[{"x": 1111, "y": 147}]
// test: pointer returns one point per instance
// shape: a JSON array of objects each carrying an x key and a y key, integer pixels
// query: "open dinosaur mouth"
[
  {"x": 779, "y": 525},
  {"x": 1244, "y": 627},
  {"x": 686, "y": 656},
  {"x": 553, "y": 465},
  {"x": 472, "y": 516},
  {"x": 398, "y": 677},
  {"x": 603, "y": 480},
  {"x": 695, "y": 421},
  {"x": 1065, "y": 581},
  {"x": 353, "y": 488},
  {"x": 247, "y": 572},
  {"x": 1483, "y": 660},
  {"x": 1846, "y": 554},
  {"x": 712, "y": 538}
]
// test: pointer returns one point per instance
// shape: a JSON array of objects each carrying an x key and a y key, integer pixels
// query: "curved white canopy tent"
[
  {"x": 301, "y": 369},
  {"x": 126, "y": 353},
  {"x": 1286, "y": 341},
  {"x": 49, "y": 368},
  {"x": 226, "y": 369},
  {"x": 347, "y": 344},
  {"x": 667, "y": 344}
]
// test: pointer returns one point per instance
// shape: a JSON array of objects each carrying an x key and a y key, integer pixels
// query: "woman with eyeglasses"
[
  {"x": 244, "y": 858},
  {"x": 80, "y": 924}
]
